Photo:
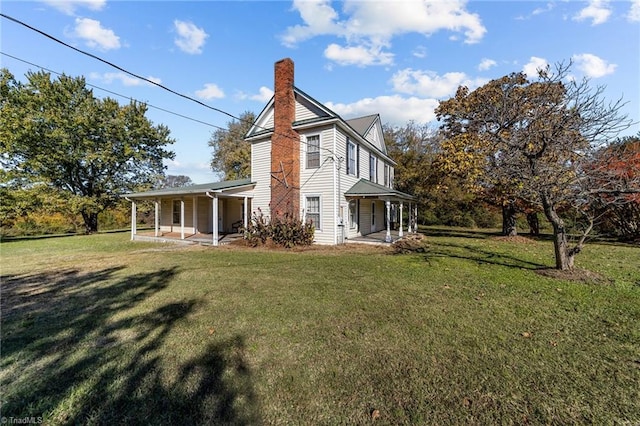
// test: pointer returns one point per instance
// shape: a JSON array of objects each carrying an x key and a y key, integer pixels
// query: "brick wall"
[{"x": 285, "y": 144}]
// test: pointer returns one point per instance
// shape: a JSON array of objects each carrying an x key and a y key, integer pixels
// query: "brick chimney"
[{"x": 285, "y": 145}]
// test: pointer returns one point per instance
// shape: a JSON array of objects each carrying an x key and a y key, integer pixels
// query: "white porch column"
[
  {"x": 157, "y": 218},
  {"x": 409, "y": 218},
  {"x": 182, "y": 218},
  {"x": 387, "y": 238},
  {"x": 134, "y": 219},
  {"x": 400, "y": 221},
  {"x": 415, "y": 218},
  {"x": 195, "y": 215},
  {"x": 216, "y": 237},
  {"x": 244, "y": 219}
]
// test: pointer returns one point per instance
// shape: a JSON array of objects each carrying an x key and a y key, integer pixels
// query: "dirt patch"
[
  {"x": 515, "y": 239},
  {"x": 579, "y": 275}
]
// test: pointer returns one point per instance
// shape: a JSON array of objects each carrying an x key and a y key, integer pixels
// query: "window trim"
[
  {"x": 308, "y": 152},
  {"x": 353, "y": 214},
  {"x": 373, "y": 168},
  {"x": 373, "y": 214},
  {"x": 352, "y": 158},
  {"x": 318, "y": 225},
  {"x": 175, "y": 211}
]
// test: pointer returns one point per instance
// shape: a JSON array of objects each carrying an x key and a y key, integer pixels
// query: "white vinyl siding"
[
  {"x": 261, "y": 175},
  {"x": 321, "y": 182}
]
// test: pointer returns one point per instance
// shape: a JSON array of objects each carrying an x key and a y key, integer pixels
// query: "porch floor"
[
  {"x": 377, "y": 238},
  {"x": 199, "y": 238}
]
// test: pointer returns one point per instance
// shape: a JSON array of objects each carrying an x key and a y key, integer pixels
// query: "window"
[
  {"x": 313, "y": 152},
  {"x": 176, "y": 212},
  {"x": 352, "y": 160},
  {"x": 373, "y": 213},
  {"x": 373, "y": 175},
  {"x": 386, "y": 175},
  {"x": 313, "y": 211},
  {"x": 353, "y": 214}
]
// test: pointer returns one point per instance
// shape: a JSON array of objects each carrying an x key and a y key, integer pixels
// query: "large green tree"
[
  {"x": 537, "y": 137},
  {"x": 231, "y": 153},
  {"x": 58, "y": 133}
]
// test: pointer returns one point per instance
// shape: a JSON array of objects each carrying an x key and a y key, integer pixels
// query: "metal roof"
[
  {"x": 365, "y": 188},
  {"x": 193, "y": 189}
]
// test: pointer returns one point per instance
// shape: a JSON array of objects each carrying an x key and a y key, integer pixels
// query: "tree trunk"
[
  {"x": 534, "y": 223},
  {"x": 509, "y": 219},
  {"x": 90, "y": 222},
  {"x": 564, "y": 255}
]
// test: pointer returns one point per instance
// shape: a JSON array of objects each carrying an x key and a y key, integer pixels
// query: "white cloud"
[
  {"x": 634, "y": 11},
  {"x": 394, "y": 110},
  {"x": 593, "y": 66},
  {"x": 264, "y": 95},
  {"x": 420, "y": 52},
  {"x": 69, "y": 6},
  {"x": 369, "y": 26},
  {"x": 597, "y": 10},
  {"x": 358, "y": 55},
  {"x": 94, "y": 35},
  {"x": 210, "y": 91},
  {"x": 534, "y": 66},
  {"x": 190, "y": 38},
  {"x": 486, "y": 64},
  {"x": 430, "y": 84},
  {"x": 124, "y": 79}
]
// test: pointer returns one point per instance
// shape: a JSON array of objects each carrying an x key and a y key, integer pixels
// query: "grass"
[{"x": 99, "y": 330}]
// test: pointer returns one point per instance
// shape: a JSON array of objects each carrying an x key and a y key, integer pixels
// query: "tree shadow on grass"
[
  {"x": 82, "y": 348},
  {"x": 479, "y": 255}
]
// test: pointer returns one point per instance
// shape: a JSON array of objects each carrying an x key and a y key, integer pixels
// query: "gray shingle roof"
[{"x": 362, "y": 124}]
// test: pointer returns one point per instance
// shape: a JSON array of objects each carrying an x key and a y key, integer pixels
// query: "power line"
[
  {"x": 118, "y": 94},
  {"x": 49, "y": 36}
]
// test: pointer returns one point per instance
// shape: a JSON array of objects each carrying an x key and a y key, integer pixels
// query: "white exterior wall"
[
  {"x": 261, "y": 175},
  {"x": 347, "y": 181},
  {"x": 320, "y": 182}
]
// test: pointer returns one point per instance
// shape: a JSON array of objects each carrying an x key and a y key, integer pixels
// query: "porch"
[
  {"x": 375, "y": 238},
  {"x": 197, "y": 238},
  {"x": 206, "y": 214}
]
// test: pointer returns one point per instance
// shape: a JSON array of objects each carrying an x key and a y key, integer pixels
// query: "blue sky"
[{"x": 395, "y": 58}]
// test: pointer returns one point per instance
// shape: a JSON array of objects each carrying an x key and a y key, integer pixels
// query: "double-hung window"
[
  {"x": 373, "y": 172},
  {"x": 352, "y": 160},
  {"x": 313, "y": 210},
  {"x": 353, "y": 214},
  {"x": 313, "y": 152},
  {"x": 177, "y": 207},
  {"x": 386, "y": 176}
]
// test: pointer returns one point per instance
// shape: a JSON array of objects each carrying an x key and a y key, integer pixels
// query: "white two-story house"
[{"x": 306, "y": 161}]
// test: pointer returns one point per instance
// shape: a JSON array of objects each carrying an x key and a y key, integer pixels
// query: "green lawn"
[{"x": 99, "y": 330}]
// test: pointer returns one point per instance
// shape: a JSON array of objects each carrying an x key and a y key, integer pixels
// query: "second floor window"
[
  {"x": 373, "y": 172},
  {"x": 387, "y": 182},
  {"x": 313, "y": 152},
  {"x": 352, "y": 160}
]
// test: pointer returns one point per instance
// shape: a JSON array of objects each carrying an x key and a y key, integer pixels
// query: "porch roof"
[
  {"x": 193, "y": 189},
  {"x": 367, "y": 189}
]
